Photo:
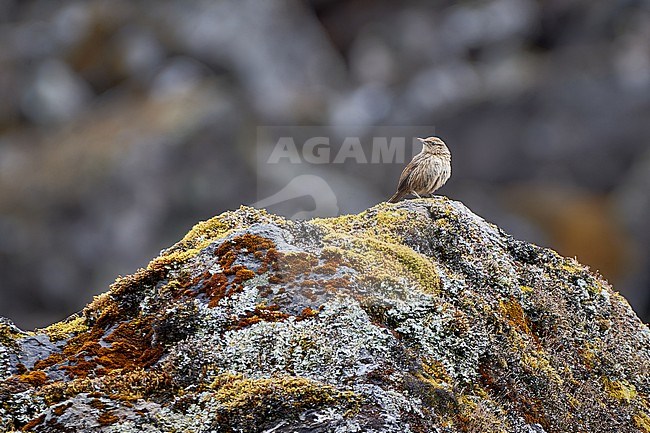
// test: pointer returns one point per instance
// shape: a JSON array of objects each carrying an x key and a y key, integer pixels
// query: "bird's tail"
[{"x": 396, "y": 197}]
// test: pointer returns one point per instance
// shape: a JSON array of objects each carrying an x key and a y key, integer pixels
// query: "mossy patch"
[
  {"x": 66, "y": 328},
  {"x": 9, "y": 334},
  {"x": 383, "y": 223},
  {"x": 642, "y": 422},
  {"x": 198, "y": 238},
  {"x": 417, "y": 265},
  {"x": 620, "y": 390},
  {"x": 382, "y": 259},
  {"x": 124, "y": 346},
  {"x": 476, "y": 416},
  {"x": 514, "y": 313},
  {"x": 248, "y": 403},
  {"x": 207, "y": 232},
  {"x": 123, "y": 386}
]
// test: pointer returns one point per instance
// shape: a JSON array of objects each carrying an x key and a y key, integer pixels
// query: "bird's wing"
[{"x": 406, "y": 174}]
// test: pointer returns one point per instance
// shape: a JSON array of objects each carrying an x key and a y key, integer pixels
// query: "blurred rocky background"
[{"x": 123, "y": 123}]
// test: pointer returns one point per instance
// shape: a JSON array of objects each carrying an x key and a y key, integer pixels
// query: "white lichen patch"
[{"x": 339, "y": 344}]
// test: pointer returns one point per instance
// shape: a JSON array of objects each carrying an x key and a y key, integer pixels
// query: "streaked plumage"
[{"x": 427, "y": 171}]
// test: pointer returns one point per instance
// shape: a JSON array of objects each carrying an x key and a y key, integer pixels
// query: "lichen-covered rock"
[{"x": 415, "y": 317}]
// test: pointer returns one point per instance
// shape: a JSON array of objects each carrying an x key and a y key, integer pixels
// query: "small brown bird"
[{"x": 427, "y": 171}]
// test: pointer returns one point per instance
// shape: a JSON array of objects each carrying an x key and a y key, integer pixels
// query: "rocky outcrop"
[{"x": 415, "y": 317}]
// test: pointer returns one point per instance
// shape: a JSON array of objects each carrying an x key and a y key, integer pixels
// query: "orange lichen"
[
  {"x": 261, "y": 314},
  {"x": 33, "y": 423},
  {"x": 243, "y": 274},
  {"x": 130, "y": 342},
  {"x": 296, "y": 263},
  {"x": 131, "y": 347},
  {"x": 60, "y": 409},
  {"x": 515, "y": 315},
  {"x": 533, "y": 410},
  {"x": 307, "y": 313},
  {"x": 107, "y": 418},
  {"x": 34, "y": 378},
  {"x": 328, "y": 268},
  {"x": 335, "y": 284},
  {"x": 333, "y": 257},
  {"x": 495, "y": 380},
  {"x": 230, "y": 277},
  {"x": 97, "y": 403}
]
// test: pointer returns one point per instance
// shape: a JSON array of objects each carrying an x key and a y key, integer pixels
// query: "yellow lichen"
[
  {"x": 526, "y": 289},
  {"x": 373, "y": 241},
  {"x": 8, "y": 336},
  {"x": 418, "y": 265},
  {"x": 538, "y": 362},
  {"x": 371, "y": 256},
  {"x": 478, "y": 417},
  {"x": 384, "y": 225},
  {"x": 642, "y": 422},
  {"x": 66, "y": 328},
  {"x": 237, "y": 392},
  {"x": 388, "y": 221},
  {"x": 621, "y": 390},
  {"x": 345, "y": 223},
  {"x": 198, "y": 238},
  {"x": 213, "y": 228},
  {"x": 574, "y": 402},
  {"x": 590, "y": 355},
  {"x": 436, "y": 371}
]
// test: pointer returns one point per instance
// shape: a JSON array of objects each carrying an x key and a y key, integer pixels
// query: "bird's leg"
[{"x": 416, "y": 194}]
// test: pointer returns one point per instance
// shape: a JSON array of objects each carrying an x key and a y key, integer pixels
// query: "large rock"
[{"x": 415, "y": 317}]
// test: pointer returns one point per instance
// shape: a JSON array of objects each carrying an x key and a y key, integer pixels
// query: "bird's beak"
[{"x": 421, "y": 140}]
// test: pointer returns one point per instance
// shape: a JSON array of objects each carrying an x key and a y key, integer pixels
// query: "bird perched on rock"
[{"x": 427, "y": 171}]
